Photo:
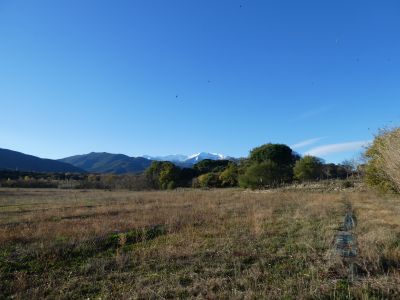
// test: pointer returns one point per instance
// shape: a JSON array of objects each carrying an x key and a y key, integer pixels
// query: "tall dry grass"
[{"x": 226, "y": 244}]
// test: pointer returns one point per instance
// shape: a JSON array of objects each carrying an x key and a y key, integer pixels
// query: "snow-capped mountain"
[
  {"x": 173, "y": 157},
  {"x": 204, "y": 155},
  {"x": 187, "y": 160}
]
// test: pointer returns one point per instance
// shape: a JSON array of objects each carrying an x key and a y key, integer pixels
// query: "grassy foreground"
[{"x": 225, "y": 244}]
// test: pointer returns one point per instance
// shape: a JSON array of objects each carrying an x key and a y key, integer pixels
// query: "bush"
[
  {"x": 171, "y": 185},
  {"x": 210, "y": 166},
  {"x": 261, "y": 175},
  {"x": 160, "y": 174},
  {"x": 382, "y": 170},
  {"x": 347, "y": 184},
  {"x": 229, "y": 177},
  {"x": 210, "y": 180},
  {"x": 308, "y": 168}
]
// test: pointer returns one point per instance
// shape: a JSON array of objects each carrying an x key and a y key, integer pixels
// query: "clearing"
[{"x": 226, "y": 244}]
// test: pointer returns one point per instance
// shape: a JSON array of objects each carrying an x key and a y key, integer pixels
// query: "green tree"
[
  {"x": 308, "y": 168},
  {"x": 153, "y": 172},
  {"x": 265, "y": 174},
  {"x": 210, "y": 180},
  {"x": 161, "y": 173},
  {"x": 171, "y": 185},
  {"x": 229, "y": 177},
  {"x": 169, "y": 175},
  {"x": 186, "y": 176},
  {"x": 209, "y": 165},
  {"x": 277, "y": 153},
  {"x": 281, "y": 155}
]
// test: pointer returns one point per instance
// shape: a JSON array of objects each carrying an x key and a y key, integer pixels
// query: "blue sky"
[{"x": 162, "y": 77}]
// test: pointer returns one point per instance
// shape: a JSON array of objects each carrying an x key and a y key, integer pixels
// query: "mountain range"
[
  {"x": 102, "y": 162},
  {"x": 188, "y": 160},
  {"x": 96, "y": 162},
  {"x": 17, "y": 161}
]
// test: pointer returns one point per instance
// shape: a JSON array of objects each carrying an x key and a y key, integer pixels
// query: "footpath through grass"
[{"x": 228, "y": 244}]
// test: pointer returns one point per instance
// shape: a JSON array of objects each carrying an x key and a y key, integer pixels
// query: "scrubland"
[{"x": 214, "y": 244}]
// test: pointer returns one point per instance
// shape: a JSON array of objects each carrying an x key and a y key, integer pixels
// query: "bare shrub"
[{"x": 383, "y": 168}]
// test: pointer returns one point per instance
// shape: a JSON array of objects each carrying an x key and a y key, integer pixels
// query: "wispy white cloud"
[
  {"x": 312, "y": 113},
  {"x": 337, "y": 148},
  {"x": 306, "y": 143}
]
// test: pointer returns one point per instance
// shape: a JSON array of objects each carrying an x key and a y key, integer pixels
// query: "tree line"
[{"x": 269, "y": 165}]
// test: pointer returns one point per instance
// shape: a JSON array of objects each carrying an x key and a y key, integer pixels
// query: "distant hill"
[
  {"x": 13, "y": 160},
  {"x": 108, "y": 163}
]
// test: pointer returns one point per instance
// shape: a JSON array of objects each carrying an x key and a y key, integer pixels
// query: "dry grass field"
[{"x": 216, "y": 244}]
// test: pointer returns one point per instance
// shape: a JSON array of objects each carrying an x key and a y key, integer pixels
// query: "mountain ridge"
[
  {"x": 97, "y": 162},
  {"x": 103, "y": 162},
  {"x": 14, "y": 160}
]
